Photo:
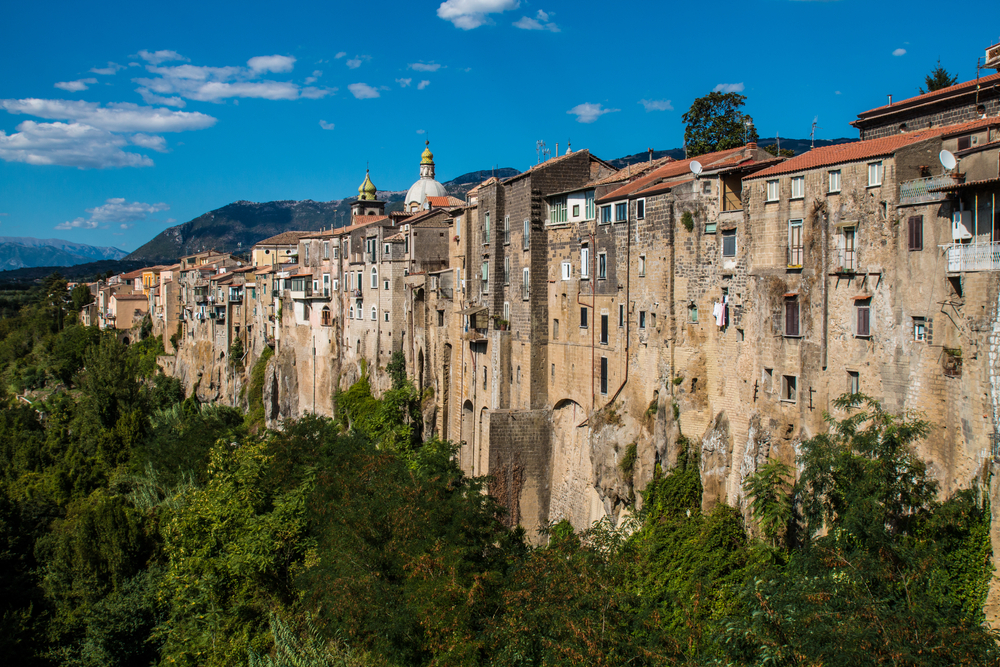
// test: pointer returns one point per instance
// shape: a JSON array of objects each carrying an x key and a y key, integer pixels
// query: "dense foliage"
[
  {"x": 716, "y": 122},
  {"x": 139, "y": 527}
]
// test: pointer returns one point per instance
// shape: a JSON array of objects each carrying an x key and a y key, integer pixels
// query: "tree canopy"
[
  {"x": 716, "y": 122},
  {"x": 938, "y": 78}
]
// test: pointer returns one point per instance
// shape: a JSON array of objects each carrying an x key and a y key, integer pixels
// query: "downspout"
[{"x": 826, "y": 288}]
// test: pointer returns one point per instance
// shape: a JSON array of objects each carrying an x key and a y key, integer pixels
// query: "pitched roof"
[
  {"x": 489, "y": 181},
  {"x": 284, "y": 238},
  {"x": 958, "y": 88},
  {"x": 132, "y": 275},
  {"x": 657, "y": 188},
  {"x": 554, "y": 160},
  {"x": 445, "y": 202},
  {"x": 361, "y": 221},
  {"x": 864, "y": 150},
  {"x": 632, "y": 171},
  {"x": 669, "y": 170},
  {"x": 130, "y": 297}
]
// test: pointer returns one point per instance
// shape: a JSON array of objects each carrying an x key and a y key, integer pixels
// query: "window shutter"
[
  {"x": 863, "y": 328},
  {"x": 917, "y": 232},
  {"x": 792, "y": 317}
]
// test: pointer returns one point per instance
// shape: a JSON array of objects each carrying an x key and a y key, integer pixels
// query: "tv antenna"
[
  {"x": 541, "y": 152},
  {"x": 812, "y": 133}
]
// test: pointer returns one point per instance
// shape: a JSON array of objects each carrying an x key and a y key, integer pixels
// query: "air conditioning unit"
[{"x": 961, "y": 225}]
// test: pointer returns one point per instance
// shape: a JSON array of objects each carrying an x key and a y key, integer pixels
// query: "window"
[
  {"x": 706, "y": 187},
  {"x": 336, "y": 285},
  {"x": 604, "y": 329},
  {"x": 557, "y": 210},
  {"x": 729, "y": 243},
  {"x": 486, "y": 230},
  {"x": 524, "y": 283},
  {"x": 621, "y": 314},
  {"x": 853, "y": 382},
  {"x": 693, "y": 313},
  {"x": 567, "y": 270},
  {"x": 352, "y": 312},
  {"x": 920, "y": 329},
  {"x": 875, "y": 173},
  {"x": 458, "y": 227},
  {"x": 506, "y": 271},
  {"x": 640, "y": 209},
  {"x": 440, "y": 318},
  {"x": 526, "y": 235},
  {"x": 795, "y": 248},
  {"x": 606, "y": 214},
  {"x": 710, "y": 227},
  {"x": 862, "y": 308},
  {"x": 847, "y": 261},
  {"x": 336, "y": 252},
  {"x": 642, "y": 319},
  {"x": 602, "y": 266},
  {"x": 506, "y": 310},
  {"x": 486, "y": 276},
  {"x": 767, "y": 380},
  {"x": 506, "y": 230},
  {"x": 798, "y": 187},
  {"x": 834, "y": 181},
  {"x": 588, "y": 205},
  {"x": 584, "y": 263},
  {"x": 583, "y": 317},
  {"x": 621, "y": 211},
  {"x": 576, "y": 210},
  {"x": 792, "y": 316},
  {"x": 484, "y": 378},
  {"x": 772, "y": 190},
  {"x": 385, "y": 249},
  {"x": 789, "y": 388},
  {"x": 916, "y": 237},
  {"x": 385, "y": 315},
  {"x": 964, "y": 143},
  {"x": 385, "y": 284},
  {"x": 555, "y": 329},
  {"x": 642, "y": 266},
  {"x": 374, "y": 314},
  {"x": 326, "y": 250},
  {"x": 374, "y": 278},
  {"x": 305, "y": 248},
  {"x": 604, "y": 376}
]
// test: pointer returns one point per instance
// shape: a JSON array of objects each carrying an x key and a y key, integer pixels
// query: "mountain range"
[{"x": 21, "y": 251}]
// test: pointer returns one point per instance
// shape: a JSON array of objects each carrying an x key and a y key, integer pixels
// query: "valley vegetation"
[{"x": 140, "y": 527}]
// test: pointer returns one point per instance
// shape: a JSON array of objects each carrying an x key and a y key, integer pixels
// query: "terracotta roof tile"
[
  {"x": 670, "y": 170},
  {"x": 864, "y": 150},
  {"x": 445, "y": 202},
  {"x": 284, "y": 238},
  {"x": 930, "y": 97},
  {"x": 361, "y": 221}
]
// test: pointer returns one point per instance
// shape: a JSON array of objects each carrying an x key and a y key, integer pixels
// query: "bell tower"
[{"x": 367, "y": 203}]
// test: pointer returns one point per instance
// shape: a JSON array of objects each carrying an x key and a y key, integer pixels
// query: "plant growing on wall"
[{"x": 687, "y": 220}]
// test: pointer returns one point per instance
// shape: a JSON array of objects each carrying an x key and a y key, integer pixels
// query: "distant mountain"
[
  {"x": 75, "y": 273},
  {"x": 239, "y": 225},
  {"x": 23, "y": 251},
  {"x": 797, "y": 145}
]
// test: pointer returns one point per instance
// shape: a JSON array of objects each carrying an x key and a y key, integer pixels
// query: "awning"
[{"x": 474, "y": 310}]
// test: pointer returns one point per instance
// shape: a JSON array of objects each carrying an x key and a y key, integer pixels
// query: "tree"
[
  {"x": 938, "y": 79},
  {"x": 715, "y": 122}
]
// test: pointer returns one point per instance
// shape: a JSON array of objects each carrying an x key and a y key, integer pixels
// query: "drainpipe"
[{"x": 826, "y": 289}]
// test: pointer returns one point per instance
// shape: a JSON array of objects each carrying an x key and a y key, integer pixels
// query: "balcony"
[
  {"x": 356, "y": 293},
  {"x": 200, "y": 298},
  {"x": 970, "y": 257},
  {"x": 916, "y": 191},
  {"x": 235, "y": 295},
  {"x": 307, "y": 292},
  {"x": 845, "y": 261}
]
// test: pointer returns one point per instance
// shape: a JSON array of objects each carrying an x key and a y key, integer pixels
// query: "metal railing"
[
  {"x": 973, "y": 257},
  {"x": 916, "y": 191},
  {"x": 846, "y": 260}
]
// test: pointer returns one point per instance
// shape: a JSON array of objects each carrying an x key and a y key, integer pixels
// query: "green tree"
[
  {"x": 938, "y": 78},
  {"x": 716, "y": 122},
  {"x": 770, "y": 499}
]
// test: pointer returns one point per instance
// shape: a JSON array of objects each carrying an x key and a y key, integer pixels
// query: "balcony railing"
[
  {"x": 973, "y": 257},
  {"x": 846, "y": 261},
  {"x": 916, "y": 191}
]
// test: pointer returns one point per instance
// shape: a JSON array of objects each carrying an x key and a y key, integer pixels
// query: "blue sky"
[{"x": 120, "y": 120}]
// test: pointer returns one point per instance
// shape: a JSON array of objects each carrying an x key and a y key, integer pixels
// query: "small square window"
[
  {"x": 874, "y": 174},
  {"x": 710, "y": 227},
  {"x": 772, "y": 190},
  {"x": 798, "y": 187},
  {"x": 834, "y": 180},
  {"x": 789, "y": 388},
  {"x": 920, "y": 329},
  {"x": 853, "y": 382},
  {"x": 576, "y": 210}
]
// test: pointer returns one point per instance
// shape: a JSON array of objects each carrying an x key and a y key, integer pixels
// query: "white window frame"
[
  {"x": 506, "y": 230},
  {"x": 567, "y": 270},
  {"x": 640, "y": 209},
  {"x": 603, "y": 208},
  {"x": 486, "y": 275},
  {"x": 642, "y": 266},
  {"x": 589, "y": 212},
  {"x": 833, "y": 181},
  {"x": 919, "y": 329},
  {"x": 526, "y": 234},
  {"x": 584, "y": 262},
  {"x": 798, "y": 187},
  {"x": 602, "y": 266},
  {"x": 374, "y": 314},
  {"x": 486, "y": 229},
  {"x": 726, "y": 235},
  {"x": 374, "y": 277},
  {"x": 525, "y": 283},
  {"x": 506, "y": 271},
  {"x": 773, "y": 190},
  {"x": 876, "y": 173}
]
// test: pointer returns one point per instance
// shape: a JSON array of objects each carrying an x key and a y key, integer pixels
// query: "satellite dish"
[
  {"x": 948, "y": 160},
  {"x": 695, "y": 167}
]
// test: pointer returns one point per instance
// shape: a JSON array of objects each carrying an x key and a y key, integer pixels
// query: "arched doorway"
[{"x": 468, "y": 438}]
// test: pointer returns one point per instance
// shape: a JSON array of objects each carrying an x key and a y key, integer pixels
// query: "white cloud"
[
  {"x": 150, "y": 141},
  {"x": 76, "y": 86},
  {"x": 354, "y": 63},
  {"x": 325, "y": 125},
  {"x": 656, "y": 105},
  {"x": 149, "y": 97},
  {"x": 315, "y": 76},
  {"x": 68, "y": 145},
  {"x": 421, "y": 131},
  {"x": 109, "y": 70},
  {"x": 262, "y": 64},
  {"x": 540, "y": 22},
  {"x": 312, "y": 93},
  {"x": 424, "y": 67},
  {"x": 588, "y": 113},
  {"x": 340, "y": 55},
  {"x": 115, "y": 211},
  {"x": 728, "y": 88},
  {"x": 423, "y": 84},
  {"x": 899, "y": 52},
  {"x": 836, "y": 92},
  {"x": 157, "y": 57},
  {"x": 404, "y": 82},
  {"x": 120, "y": 117},
  {"x": 214, "y": 84},
  {"x": 470, "y": 14},
  {"x": 363, "y": 91}
]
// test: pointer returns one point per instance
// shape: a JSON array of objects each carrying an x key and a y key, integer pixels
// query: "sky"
[{"x": 120, "y": 119}]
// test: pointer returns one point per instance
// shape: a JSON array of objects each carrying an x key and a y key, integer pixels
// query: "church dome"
[
  {"x": 426, "y": 187},
  {"x": 367, "y": 189}
]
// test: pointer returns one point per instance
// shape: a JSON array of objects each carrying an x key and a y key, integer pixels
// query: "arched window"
[
  {"x": 374, "y": 277},
  {"x": 352, "y": 312},
  {"x": 374, "y": 314}
]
